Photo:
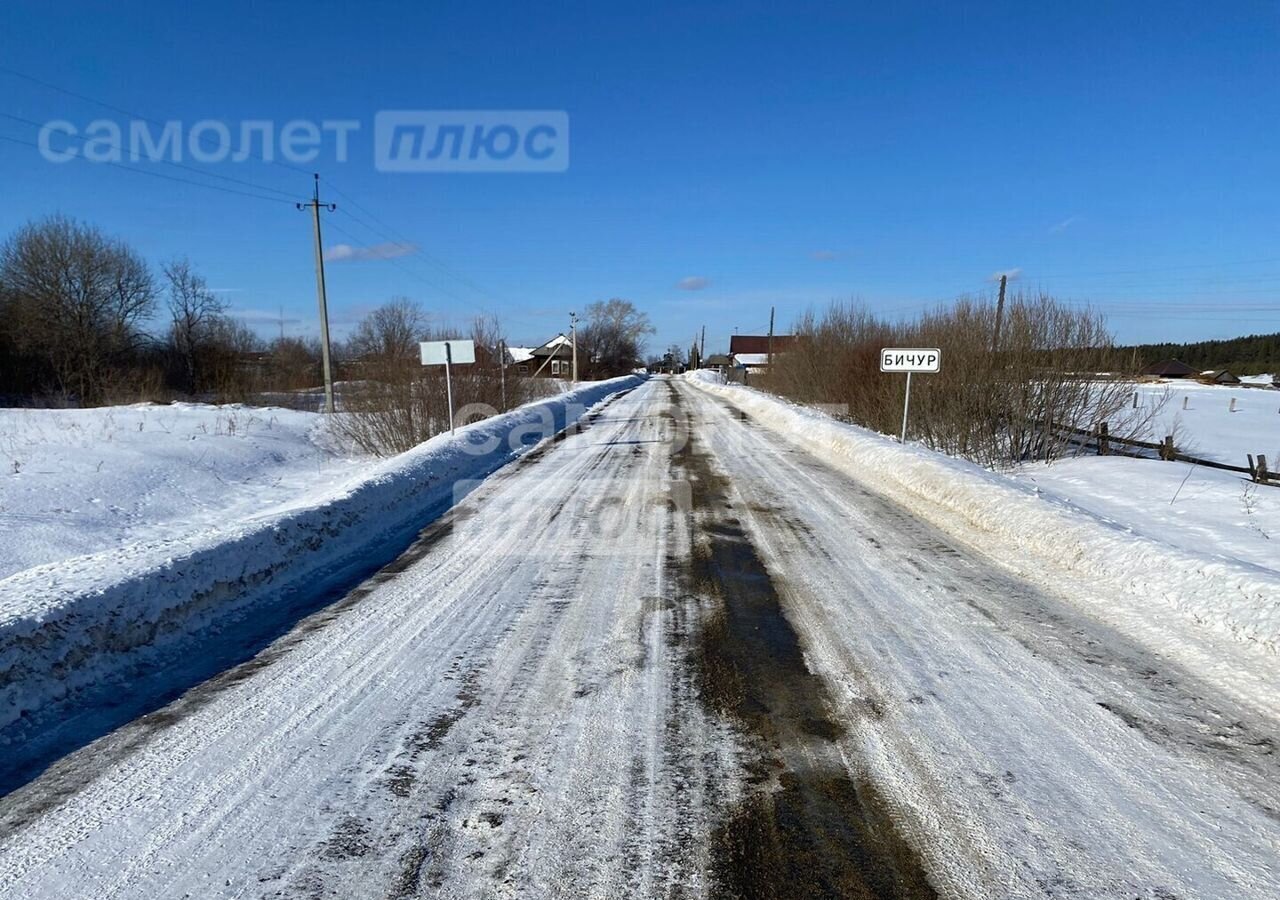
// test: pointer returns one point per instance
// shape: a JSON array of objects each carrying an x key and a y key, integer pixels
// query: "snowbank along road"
[{"x": 671, "y": 655}]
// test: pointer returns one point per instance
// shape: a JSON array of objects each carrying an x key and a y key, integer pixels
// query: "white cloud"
[
  {"x": 1064, "y": 225},
  {"x": 1011, "y": 274},
  {"x": 348, "y": 253},
  {"x": 693, "y": 283},
  {"x": 824, "y": 255}
]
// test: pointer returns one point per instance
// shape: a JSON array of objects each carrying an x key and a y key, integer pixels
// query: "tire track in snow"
[
  {"x": 807, "y": 827},
  {"x": 991, "y": 748}
]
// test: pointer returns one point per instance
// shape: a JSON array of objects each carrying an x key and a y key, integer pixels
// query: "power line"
[
  {"x": 150, "y": 174},
  {"x": 1220, "y": 265},
  {"x": 448, "y": 270},
  {"x": 396, "y": 262},
  {"x": 399, "y": 237},
  {"x": 166, "y": 162},
  {"x": 420, "y": 276},
  {"x": 125, "y": 112}
]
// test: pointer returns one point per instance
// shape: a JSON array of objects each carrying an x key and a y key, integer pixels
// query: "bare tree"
[
  {"x": 612, "y": 340},
  {"x": 390, "y": 332},
  {"x": 195, "y": 311},
  {"x": 76, "y": 299},
  {"x": 230, "y": 359}
]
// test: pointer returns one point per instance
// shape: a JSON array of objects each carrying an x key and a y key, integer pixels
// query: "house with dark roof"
[
  {"x": 554, "y": 359},
  {"x": 1170, "y": 368},
  {"x": 720, "y": 362}
]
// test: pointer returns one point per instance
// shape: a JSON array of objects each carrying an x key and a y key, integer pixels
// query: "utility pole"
[
  {"x": 702, "y": 351},
  {"x": 573, "y": 330},
  {"x": 995, "y": 343},
  {"x": 770, "y": 346},
  {"x": 502, "y": 371},
  {"x": 315, "y": 205}
]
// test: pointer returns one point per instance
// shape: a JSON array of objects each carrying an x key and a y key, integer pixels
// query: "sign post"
[
  {"x": 448, "y": 354},
  {"x": 909, "y": 359}
]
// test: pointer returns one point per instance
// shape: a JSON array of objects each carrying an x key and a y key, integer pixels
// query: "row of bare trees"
[
  {"x": 995, "y": 405},
  {"x": 84, "y": 319}
]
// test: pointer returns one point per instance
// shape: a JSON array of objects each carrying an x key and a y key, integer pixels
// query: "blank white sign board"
[{"x": 459, "y": 352}]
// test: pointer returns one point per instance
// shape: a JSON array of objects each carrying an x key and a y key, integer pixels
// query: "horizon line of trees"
[
  {"x": 84, "y": 320},
  {"x": 1253, "y": 354}
]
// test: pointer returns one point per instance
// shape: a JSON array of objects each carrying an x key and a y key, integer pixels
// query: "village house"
[
  {"x": 1218, "y": 376},
  {"x": 751, "y": 351},
  {"x": 554, "y": 359},
  {"x": 718, "y": 362},
  {"x": 1169, "y": 368}
]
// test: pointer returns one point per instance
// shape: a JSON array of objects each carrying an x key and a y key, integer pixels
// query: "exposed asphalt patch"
[{"x": 804, "y": 827}]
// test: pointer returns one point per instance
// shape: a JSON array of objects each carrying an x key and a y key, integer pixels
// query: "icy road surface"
[{"x": 652, "y": 660}]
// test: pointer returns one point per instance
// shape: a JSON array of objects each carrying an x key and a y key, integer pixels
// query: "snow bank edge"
[
  {"x": 1237, "y": 599},
  {"x": 84, "y": 621}
]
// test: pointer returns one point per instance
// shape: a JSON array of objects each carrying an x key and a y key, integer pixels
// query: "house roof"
[
  {"x": 719, "y": 359},
  {"x": 1175, "y": 368},
  {"x": 520, "y": 354},
  {"x": 759, "y": 343},
  {"x": 751, "y": 359}
]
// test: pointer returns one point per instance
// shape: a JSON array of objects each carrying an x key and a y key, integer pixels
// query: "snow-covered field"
[
  {"x": 1201, "y": 419},
  {"x": 78, "y": 481},
  {"x": 1201, "y": 510}
]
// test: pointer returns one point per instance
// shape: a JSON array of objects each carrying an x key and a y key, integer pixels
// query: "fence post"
[
  {"x": 1103, "y": 444},
  {"x": 1166, "y": 449},
  {"x": 1262, "y": 469}
]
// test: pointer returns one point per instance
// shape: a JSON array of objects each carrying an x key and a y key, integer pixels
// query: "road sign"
[
  {"x": 448, "y": 354},
  {"x": 909, "y": 359},
  {"x": 440, "y": 353}
]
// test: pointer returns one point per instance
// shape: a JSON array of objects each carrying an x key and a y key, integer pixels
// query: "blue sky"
[{"x": 778, "y": 154}]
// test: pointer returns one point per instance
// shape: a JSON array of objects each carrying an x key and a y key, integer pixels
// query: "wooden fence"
[{"x": 1107, "y": 444}]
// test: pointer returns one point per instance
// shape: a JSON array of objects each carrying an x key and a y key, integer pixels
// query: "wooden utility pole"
[
  {"x": 502, "y": 371},
  {"x": 995, "y": 342},
  {"x": 770, "y": 345},
  {"x": 573, "y": 329},
  {"x": 702, "y": 350},
  {"x": 315, "y": 205}
]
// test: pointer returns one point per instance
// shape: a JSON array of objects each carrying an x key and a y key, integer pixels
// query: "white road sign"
[
  {"x": 448, "y": 354},
  {"x": 910, "y": 359},
  {"x": 458, "y": 353}
]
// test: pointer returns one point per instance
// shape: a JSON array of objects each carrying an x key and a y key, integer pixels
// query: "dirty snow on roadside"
[{"x": 78, "y": 481}]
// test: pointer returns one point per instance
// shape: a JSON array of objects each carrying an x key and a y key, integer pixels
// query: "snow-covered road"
[{"x": 673, "y": 655}]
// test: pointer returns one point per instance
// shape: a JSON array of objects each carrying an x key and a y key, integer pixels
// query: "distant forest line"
[{"x": 1255, "y": 354}]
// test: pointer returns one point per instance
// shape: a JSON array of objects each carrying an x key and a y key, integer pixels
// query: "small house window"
[{"x": 555, "y": 367}]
